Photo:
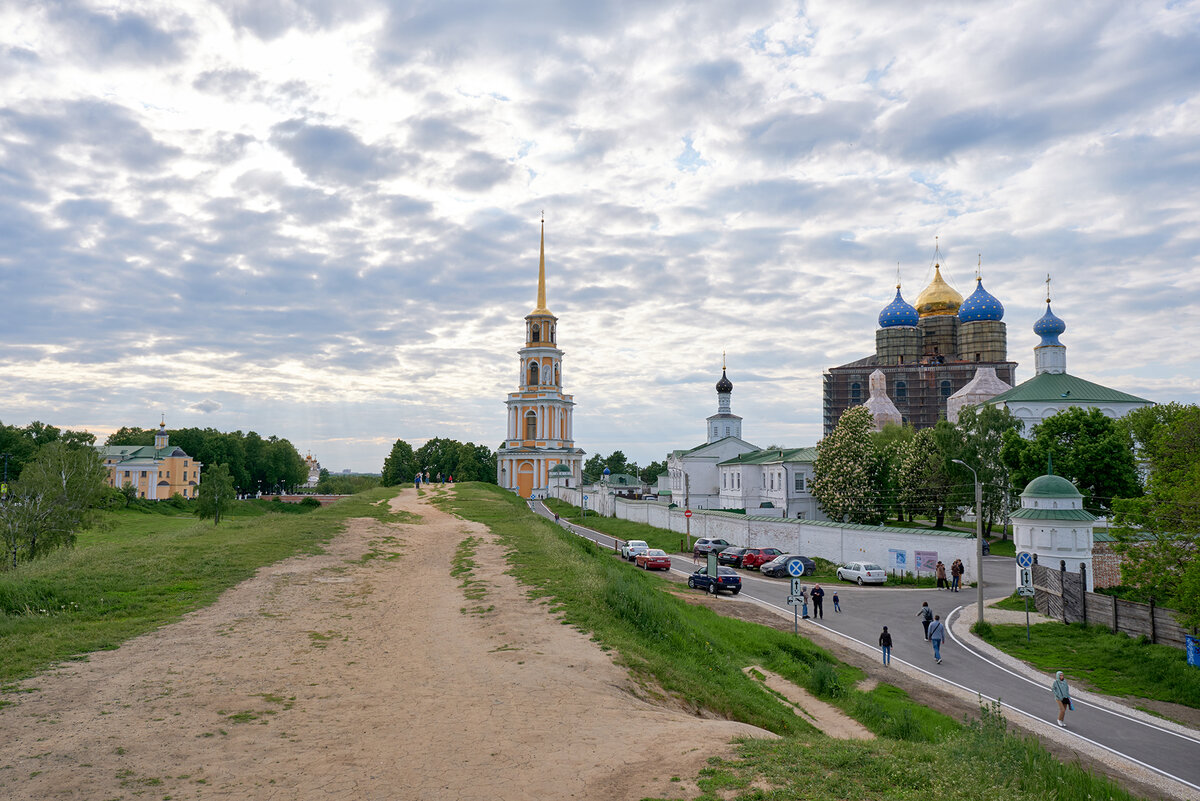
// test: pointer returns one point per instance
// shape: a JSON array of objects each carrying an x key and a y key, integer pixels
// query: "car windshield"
[
  {"x": 637, "y": 543},
  {"x": 778, "y": 560},
  {"x": 872, "y": 567},
  {"x": 655, "y": 552}
]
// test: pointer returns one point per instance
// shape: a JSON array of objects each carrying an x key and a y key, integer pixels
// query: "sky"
[{"x": 319, "y": 219}]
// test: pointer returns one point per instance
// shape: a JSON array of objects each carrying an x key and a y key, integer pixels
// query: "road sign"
[
  {"x": 797, "y": 586},
  {"x": 795, "y": 568},
  {"x": 1024, "y": 559},
  {"x": 1025, "y": 591},
  {"x": 795, "y": 599},
  {"x": 687, "y": 513},
  {"x": 1026, "y": 577},
  {"x": 585, "y": 499}
]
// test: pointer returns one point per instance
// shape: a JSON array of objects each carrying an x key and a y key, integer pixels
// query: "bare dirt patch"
[
  {"x": 344, "y": 677},
  {"x": 825, "y": 717}
]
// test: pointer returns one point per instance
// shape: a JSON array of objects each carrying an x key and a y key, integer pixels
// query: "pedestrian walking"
[
  {"x": 1062, "y": 694},
  {"x": 940, "y": 572},
  {"x": 426, "y": 476},
  {"x": 885, "y": 645},
  {"x": 937, "y": 633},
  {"x": 439, "y": 477},
  {"x": 417, "y": 480},
  {"x": 818, "y": 599},
  {"x": 803, "y": 602},
  {"x": 956, "y": 571},
  {"x": 926, "y": 615},
  {"x": 837, "y": 606}
]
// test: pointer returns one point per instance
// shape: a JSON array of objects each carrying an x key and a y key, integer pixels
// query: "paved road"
[{"x": 865, "y": 610}]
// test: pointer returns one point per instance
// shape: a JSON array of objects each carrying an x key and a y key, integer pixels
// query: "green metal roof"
[
  {"x": 1063, "y": 388},
  {"x": 1053, "y": 514},
  {"x": 560, "y": 468},
  {"x": 774, "y": 456},
  {"x": 1050, "y": 487}
]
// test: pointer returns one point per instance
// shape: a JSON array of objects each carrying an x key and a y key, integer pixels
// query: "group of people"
[
  {"x": 956, "y": 573},
  {"x": 424, "y": 477},
  {"x": 818, "y": 602}
]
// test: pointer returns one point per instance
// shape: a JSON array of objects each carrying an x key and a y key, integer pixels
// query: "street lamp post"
[{"x": 978, "y": 541}]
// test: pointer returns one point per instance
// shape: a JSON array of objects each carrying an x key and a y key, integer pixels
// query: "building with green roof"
[
  {"x": 773, "y": 482},
  {"x": 1053, "y": 525}
]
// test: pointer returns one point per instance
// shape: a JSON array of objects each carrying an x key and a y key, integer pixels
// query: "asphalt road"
[{"x": 865, "y": 610}]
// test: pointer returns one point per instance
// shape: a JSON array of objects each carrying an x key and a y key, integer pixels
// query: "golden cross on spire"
[
  {"x": 722, "y": 361},
  {"x": 1047, "y": 287},
  {"x": 978, "y": 267}
]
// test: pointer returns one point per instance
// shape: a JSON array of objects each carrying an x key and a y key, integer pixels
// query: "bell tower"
[{"x": 540, "y": 433}]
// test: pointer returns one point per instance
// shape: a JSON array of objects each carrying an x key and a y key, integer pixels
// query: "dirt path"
[{"x": 344, "y": 677}]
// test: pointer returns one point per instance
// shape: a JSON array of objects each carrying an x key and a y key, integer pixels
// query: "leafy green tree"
[
  {"x": 131, "y": 435},
  {"x": 652, "y": 471},
  {"x": 983, "y": 429},
  {"x": 843, "y": 483},
  {"x": 54, "y": 499},
  {"x": 216, "y": 493},
  {"x": 1158, "y": 534},
  {"x": 889, "y": 446},
  {"x": 1092, "y": 450},
  {"x": 927, "y": 477},
  {"x": 400, "y": 464}
]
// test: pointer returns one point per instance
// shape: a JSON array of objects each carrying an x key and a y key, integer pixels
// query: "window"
[
  {"x": 714, "y": 431},
  {"x": 727, "y": 431},
  {"x": 772, "y": 481},
  {"x": 856, "y": 393},
  {"x": 901, "y": 389},
  {"x": 557, "y": 382},
  {"x": 533, "y": 373},
  {"x": 764, "y": 480},
  {"x": 739, "y": 480},
  {"x": 724, "y": 483},
  {"x": 537, "y": 334},
  {"x": 946, "y": 390},
  {"x": 976, "y": 357},
  {"x": 799, "y": 482},
  {"x": 531, "y": 426}
]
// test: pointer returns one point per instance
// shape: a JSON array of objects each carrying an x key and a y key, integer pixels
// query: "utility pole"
[
  {"x": 687, "y": 504},
  {"x": 978, "y": 541}
]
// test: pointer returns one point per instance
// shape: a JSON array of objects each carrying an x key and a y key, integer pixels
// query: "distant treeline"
[
  {"x": 256, "y": 464},
  {"x": 465, "y": 461},
  {"x": 21, "y": 445}
]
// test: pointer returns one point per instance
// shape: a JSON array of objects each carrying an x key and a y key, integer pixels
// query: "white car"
[
  {"x": 862, "y": 572},
  {"x": 631, "y": 549}
]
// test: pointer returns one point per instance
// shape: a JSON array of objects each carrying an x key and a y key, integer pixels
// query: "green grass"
[
  {"x": 1003, "y": 548},
  {"x": 696, "y": 656},
  {"x": 137, "y": 571},
  {"x": 1115, "y": 664}
]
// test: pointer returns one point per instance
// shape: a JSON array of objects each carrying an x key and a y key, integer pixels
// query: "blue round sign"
[
  {"x": 796, "y": 568},
  {"x": 1024, "y": 559}
]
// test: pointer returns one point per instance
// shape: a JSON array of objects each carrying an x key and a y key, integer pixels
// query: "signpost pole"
[{"x": 1027, "y": 619}]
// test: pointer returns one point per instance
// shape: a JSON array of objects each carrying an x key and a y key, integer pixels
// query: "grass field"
[
  {"x": 1115, "y": 664},
  {"x": 137, "y": 570},
  {"x": 696, "y": 656}
]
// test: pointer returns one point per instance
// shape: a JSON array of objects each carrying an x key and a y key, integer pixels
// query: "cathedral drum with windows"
[{"x": 540, "y": 435}]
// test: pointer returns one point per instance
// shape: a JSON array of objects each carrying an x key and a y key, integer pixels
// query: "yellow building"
[
  {"x": 540, "y": 435},
  {"x": 158, "y": 471}
]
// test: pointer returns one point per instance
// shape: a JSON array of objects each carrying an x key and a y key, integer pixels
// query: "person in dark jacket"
[
  {"x": 937, "y": 633},
  {"x": 885, "y": 645},
  {"x": 818, "y": 599},
  {"x": 926, "y": 615}
]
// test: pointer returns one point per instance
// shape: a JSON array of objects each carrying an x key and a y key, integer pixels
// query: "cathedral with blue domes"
[{"x": 927, "y": 351}]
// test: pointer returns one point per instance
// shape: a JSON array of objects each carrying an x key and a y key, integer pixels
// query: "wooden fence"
[{"x": 1062, "y": 595}]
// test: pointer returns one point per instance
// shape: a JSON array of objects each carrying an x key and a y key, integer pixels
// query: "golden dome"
[{"x": 938, "y": 298}]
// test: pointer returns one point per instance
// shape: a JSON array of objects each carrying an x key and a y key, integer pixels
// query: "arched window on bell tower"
[
  {"x": 537, "y": 334},
  {"x": 531, "y": 425},
  {"x": 557, "y": 379},
  {"x": 533, "y": 373}
]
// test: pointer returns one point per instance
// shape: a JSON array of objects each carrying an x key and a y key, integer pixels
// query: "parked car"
[
  {"x": 778, "y": 567},
  {"x": 862, "y": 572},
  {"x": 731, "y": 556},
  {"x": 705, "y": 545},
  {"x": 757, "y": 557},
  {"x": 653, "y": 559},
  {"x": 726, "y": 579},
  {"x": 631, "y": 549}
]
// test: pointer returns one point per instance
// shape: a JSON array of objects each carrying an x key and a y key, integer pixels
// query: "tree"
[
  {"x": 130, "y": 435},
  {"x": 842, "y": 481},
  {"x": 1093, "y": 451},
  {"x": 1158, "y": 534},
  {"x": 53, "y": 500},
  {"x": 466, "y": 461},
  {"x": 927, "y": 477},
  {"x": 983, "y": 429},
  {"x": 652, "y": 471},
  {"x": 889, "y": 446},
  {"x": 215, "y": 494}
]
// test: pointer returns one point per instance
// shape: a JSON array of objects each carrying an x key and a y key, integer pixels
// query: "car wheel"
[
  {"x": 713, "y": 588},
  {"x": 692, "y": 583},
  {"x": 839, "y": 575},
  {"x": 860, "y": 581}
]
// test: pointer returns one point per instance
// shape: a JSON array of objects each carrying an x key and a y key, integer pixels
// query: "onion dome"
[
  {"x": 1050, "y": 486},
  {"x": 898, "y": 313},
  {"x": 1049, "y": 327},
  {"x": 939, "y": 297},
  {"x": 981, "y": 305},
  {"x": 724, "y": 386}
]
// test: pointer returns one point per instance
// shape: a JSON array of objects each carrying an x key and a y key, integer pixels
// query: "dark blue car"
[{"x": 726, "y": 579}]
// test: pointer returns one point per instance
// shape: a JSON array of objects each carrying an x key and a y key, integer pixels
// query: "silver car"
[
  {"x": 862, "y": 572},
  {"x": 631, "y": 549}
]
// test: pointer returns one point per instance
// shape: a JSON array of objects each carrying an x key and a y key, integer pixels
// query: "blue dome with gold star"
[
  {"x": 980, "y": 306},
  {"x": 898, "y": 313},
  {"x": 1049, "y": 327}
]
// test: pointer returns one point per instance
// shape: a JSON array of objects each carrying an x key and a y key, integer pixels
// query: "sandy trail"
[{"x": 339, "y": 677}]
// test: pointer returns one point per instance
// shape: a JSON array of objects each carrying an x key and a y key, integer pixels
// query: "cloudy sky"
[{"x": 319, "y": 218}]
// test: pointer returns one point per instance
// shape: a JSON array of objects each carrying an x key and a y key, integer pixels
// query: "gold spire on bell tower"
[{"x": 541, "y": 296}]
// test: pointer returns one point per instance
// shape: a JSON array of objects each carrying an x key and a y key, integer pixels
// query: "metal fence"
[{"x": 1062, "y": 595}]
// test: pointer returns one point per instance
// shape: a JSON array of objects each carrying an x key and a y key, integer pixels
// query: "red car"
[
  {"x": 757, "y": 557},
  {"x": 653, "y": 559}
]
